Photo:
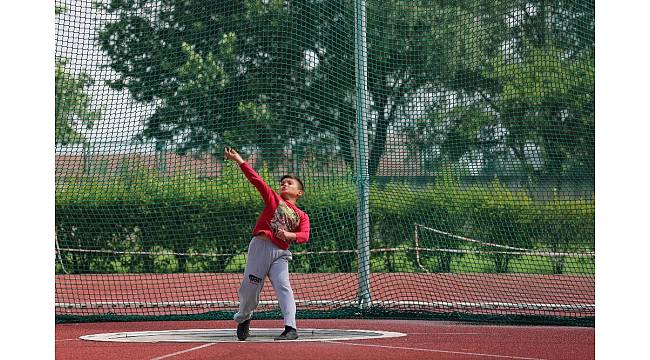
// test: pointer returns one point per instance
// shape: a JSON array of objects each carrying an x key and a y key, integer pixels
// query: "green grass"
[
  {"x": 527, "y": 264},
  {"x": 402, "y": 261},
  {"x": 580, "y": 266},
  {"x": 237, "y": 263}
]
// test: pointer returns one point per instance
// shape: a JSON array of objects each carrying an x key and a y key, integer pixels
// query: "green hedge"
[
  {"x": 142, "y": 223},
  {"x": 396, "y": 208}
]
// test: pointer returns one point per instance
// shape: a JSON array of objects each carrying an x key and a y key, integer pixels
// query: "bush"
[
  {"x": 392, "y": 219},
  {"x": 397, "y": 208},
  {"x": 563, "y": 226},
  {"x": 331, "y": 206},
  {"x": 502, "y": 217},
  {"x": 445, "y": 210},
  {"x": 123, "y": 225},
  {"x": 142, "y": 223}
]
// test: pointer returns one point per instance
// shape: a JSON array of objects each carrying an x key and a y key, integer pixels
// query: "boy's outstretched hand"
[{"x": 231, "y": 154}]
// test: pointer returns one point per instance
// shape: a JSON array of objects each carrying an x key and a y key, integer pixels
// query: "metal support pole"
[
  {"x": 362, "y": 178},
  {"x": 161, "y": 151},
  {"x": 87, "y": 158}
]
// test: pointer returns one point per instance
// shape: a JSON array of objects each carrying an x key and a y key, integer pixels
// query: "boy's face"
[{"x": 290, "y": 189}]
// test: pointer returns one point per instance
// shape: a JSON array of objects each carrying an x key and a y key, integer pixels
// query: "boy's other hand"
[
  {"x": 231, "y": 154},
  {"x": 285, "y": 236}
]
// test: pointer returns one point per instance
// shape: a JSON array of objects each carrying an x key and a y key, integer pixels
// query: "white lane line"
[
  {"x": 183, "y": 352},
  {"x": 66, "y": 339},
  {"x": 437, "y": 351},
  {"x": 448, "y": 333}
]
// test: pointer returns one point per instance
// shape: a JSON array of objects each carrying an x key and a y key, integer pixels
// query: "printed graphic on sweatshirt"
[
  {"x": 254, "y": 279},
  {"x": 285, "y": 218}
]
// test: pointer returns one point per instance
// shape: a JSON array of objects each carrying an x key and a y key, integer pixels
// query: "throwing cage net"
[{"x": 447, "y": 150}]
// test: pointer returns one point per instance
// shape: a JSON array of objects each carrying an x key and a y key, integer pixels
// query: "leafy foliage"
[
  {"x": 73, "y": 105},
  {"x": 144, "y": 223},
  {"x": 518, "y": 91}
]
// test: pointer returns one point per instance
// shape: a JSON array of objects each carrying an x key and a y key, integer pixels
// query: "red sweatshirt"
[{"x": 277, "y": 214}]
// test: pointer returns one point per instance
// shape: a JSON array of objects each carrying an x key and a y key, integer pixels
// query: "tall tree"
[
  {"x": 545, "y": 77},
  {"x": 403, "y": 60},
  {"x": 288, "y": 76},
  {"x": 73, "y": 104},
  {"x": 330, "y": 96},
  {"x": 220, "y": 71},
  {"x": 523, "y": 94}
]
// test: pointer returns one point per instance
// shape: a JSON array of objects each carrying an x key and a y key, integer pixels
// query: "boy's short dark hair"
[{"x": 294, "y": 177}]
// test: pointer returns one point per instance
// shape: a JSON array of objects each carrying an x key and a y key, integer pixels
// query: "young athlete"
[{"x": 280, "y": 224}]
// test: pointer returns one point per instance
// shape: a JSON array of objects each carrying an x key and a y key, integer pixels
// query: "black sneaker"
[
  {"x": 289, "y": 333},
  {"x": 243, "y": 330}
]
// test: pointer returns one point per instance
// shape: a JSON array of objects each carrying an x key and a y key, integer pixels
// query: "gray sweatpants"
[{"x": 266, "y": 259}]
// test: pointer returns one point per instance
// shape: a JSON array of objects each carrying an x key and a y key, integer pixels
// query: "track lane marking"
[
  {"x": 183, "y": 351},
  {"x": 448, "y": 333},
  {"x": 434, "y": 350}
]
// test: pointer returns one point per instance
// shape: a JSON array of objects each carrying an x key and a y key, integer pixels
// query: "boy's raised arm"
[{"x": 253, "y": 177}]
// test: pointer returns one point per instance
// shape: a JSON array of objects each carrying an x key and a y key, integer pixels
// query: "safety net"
[{"x": 446, "y": 149}]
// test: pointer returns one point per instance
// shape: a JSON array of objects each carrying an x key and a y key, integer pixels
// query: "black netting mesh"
[{"x": 447, "y": 149}]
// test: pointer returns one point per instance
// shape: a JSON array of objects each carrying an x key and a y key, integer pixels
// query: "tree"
[
  {"x": 72, "y": 102},
  {"x": 221, "y": 72},
  {"x": 404, "y": 59},
  {"x": 521, "y": 81},
  {"x": 459, "y": 123},
  {"x": 277, "y": 77},
  {"x": 546, "y": 87},
  {"x": 548, "y": 100},
  {"x": 271, "y": 100},
  {"x": 331, "y": 92}
]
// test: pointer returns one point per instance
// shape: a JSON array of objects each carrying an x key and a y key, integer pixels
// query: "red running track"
[
  {"x": 91, "y": 292},
  {"x": 424, "y": 340}
]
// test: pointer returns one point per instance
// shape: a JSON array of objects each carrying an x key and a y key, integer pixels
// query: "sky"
[{"x": 82, "y": 23}]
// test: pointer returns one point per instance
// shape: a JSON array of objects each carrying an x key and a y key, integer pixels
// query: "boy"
[{"x": 280, "y": 224}]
